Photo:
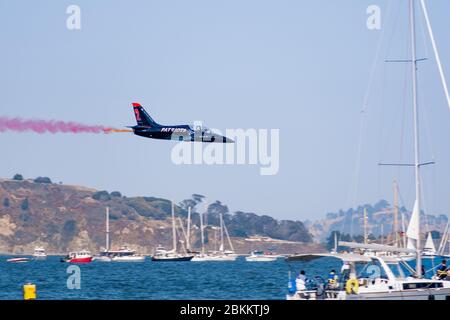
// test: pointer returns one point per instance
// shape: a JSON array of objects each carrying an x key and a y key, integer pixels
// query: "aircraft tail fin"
[{"x": 142, "y": 117}]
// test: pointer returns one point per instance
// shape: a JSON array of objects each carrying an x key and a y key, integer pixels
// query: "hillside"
[
  {"x": 380, "y": 221},
  {"x": 63, "y": 218}
]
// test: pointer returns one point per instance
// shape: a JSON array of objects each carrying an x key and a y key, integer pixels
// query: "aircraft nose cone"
[{"x": 228, "y": 140}]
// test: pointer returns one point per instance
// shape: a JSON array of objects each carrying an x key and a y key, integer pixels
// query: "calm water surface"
[{"x": 157, "y": 280}]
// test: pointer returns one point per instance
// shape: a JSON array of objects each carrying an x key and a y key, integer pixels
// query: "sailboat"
[
  {"x": 124, "y": 254},
  {"x": 163, "y": 255},
  {"x": 429, "y": 250},
  {"x": 221, "y": 254},
  {"x": 390, "y": 281}
]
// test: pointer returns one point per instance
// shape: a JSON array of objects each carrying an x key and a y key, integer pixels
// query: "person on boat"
[
  {"x": 302, "y": 275},
  {"x": 442, "y": 270},
  {"x": 301, "y": 280},
  {"x": 345, "y": 271},
  {"x": 333, "y": 279}
]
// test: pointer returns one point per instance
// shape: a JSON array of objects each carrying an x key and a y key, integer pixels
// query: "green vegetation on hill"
[{"x": 62, "y": 218}]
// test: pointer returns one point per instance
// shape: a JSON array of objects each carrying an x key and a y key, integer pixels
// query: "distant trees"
[
  {"x": 25, "y": 205},
  {"x": 192, "y": 203},
  {"x": 116, "y": 194},
  {"x": 42, "y": 180},
  {"x": 101, "y": 196},
  {"x": 187, "y": 203},
  {"x": 330, "y": 241},
  {"x": 331, "y": 215},
  {"x": 6, "y": 202},
  {"x": 244, "y": 224},
  {"x": 18, "y": 177}
]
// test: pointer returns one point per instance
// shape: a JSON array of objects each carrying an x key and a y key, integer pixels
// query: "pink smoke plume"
[{"x": 51, "y": 126}]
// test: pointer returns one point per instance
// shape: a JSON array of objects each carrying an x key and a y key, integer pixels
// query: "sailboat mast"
[
  {"x": 201, "y": 233},
  {"x": 221, "y": 233},
  {"x": 188, "y": 238},
  {"x": 174, "y": 233},
  {"x": 396, "y": 242},
  {"x": 404, "y": 231},
  {"x": 416, "y": 126},
  {"x": 365, "y": 226},
  {"x": 107, "y": 228},
  {"x": 335, "y": 242},
  {"x": 228, "y": 237}
]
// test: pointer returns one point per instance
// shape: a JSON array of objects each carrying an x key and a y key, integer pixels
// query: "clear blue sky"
[{"x": 300, "y": 66}]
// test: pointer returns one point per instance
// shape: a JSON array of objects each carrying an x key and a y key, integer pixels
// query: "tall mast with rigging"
[
  {"x": 107, "y": 229},
  {"x": 416, "y": 131}
]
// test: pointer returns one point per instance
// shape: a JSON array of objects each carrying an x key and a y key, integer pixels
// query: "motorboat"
[
  {"x": 39, "y": 253},
  {"x": 365, "y": 277},
  {"x": 260, "y": 256},
  {"x": 18, "y": 260},
  {"x": 124, "y": 254},
  {"x": 82, "y": 256}
]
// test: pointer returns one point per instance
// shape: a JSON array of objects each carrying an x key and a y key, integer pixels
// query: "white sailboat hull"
[
  {"x": 428, "y": 294},
  {"x": 261, "y": 258},
  {"x": 128, "y": 259},
  {"x": 102, "y": 259},
  {"x": 410, "y": 294},
  {"x": 207, "y": 258}
]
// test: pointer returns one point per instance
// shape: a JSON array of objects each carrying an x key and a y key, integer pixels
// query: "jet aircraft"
[{"x": 149, "y": 128}]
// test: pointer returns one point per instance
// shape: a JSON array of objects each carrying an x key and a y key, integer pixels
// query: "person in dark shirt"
[{"x": 441, "y": 272}]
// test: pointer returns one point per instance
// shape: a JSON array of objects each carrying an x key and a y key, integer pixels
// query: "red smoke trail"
[{"x": 52, "y": 126}]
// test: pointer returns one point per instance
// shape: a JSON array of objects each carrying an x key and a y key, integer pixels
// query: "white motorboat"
[
  {"x": 260, "y": 256},
  {"x": 39, "y": 253},
  {"x": 367, "y": 278},
  {"x": 18, "y": 260},
  {"x": 124, "y": 254}
]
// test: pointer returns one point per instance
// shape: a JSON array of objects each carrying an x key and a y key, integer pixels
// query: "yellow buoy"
[
  {"x": 352, "y": 286},
  {"x": 29, "y": 291}
]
